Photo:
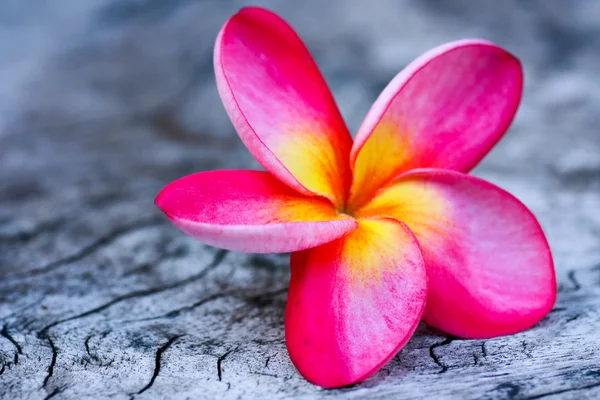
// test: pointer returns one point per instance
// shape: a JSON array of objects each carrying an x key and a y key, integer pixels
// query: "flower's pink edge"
[
  {"x": 247, "y": 134},
  {"x": 401, "y": 343},
  {"x": 551, "y": 300},
  {"x": 266, "y": 238},
  {"x": 388, "y": 95}
]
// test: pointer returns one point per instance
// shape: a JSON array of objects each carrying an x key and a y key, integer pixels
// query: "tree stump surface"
[{"x": 102, "y": 103}]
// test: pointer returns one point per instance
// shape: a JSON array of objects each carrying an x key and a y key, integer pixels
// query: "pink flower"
[{"x": 384, "y": 230}]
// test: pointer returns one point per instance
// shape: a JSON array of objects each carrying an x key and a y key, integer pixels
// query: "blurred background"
[
  {"x": 103, "y": 102},
  {"x": 105, "y": 94}
]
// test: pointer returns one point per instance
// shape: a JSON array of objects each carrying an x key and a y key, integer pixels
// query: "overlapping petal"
[
  {"x": 353, "y": 303},
  {"x": 445, "y": 110},
  {"x": 488, "y": 262},
  {"x": 250, "y": 211},
  {"x": 280, "y": 104}
]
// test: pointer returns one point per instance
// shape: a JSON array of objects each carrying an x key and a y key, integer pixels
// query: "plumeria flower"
[{"x": 384, "y": 230}]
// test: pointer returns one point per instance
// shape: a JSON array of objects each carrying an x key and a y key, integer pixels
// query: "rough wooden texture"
[{"x": 104, "y": 102}]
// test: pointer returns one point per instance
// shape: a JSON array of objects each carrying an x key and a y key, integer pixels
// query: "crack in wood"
[
  {"x": 573, "y": 318},
  {"x": 220, "y": 360},
  {"x": 269, "y": 359},
  {"x": 217, "y": 259},
  {"x": 87, "y": 346},
  {"x": 44, "y": 227},
  {"x": 237, "y": 293},
  {"x": 55, "y": 392},
  {"x": 94, "y": 357},
  {"x": 435, "y": 358},
  {"x": 43, "y": 334},
  {"x": 558, "y": 309},
  {"x": 263, "y": 299},
  {"x": 157, "y": 362},
  {"x": 573, "y": 279},
  {"x": 179, "y": 311},
  {"x": 496, "y": 375},
  {"x": 4, "y": 332},
  {"x": 163, "y": 256},
  {"x": 90, "y": 249},
  {"x": 52, "y": 361},
  {"x": 264, "y": 374},
  {"x": 525, "y": 350}
]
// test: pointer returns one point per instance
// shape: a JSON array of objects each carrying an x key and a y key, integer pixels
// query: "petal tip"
[
  {"x": 161, "y": 199},
  {"x": 280, "y": 105}
]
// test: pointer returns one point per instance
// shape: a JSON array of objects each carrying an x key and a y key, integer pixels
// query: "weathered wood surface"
[{"x": 104, "y": 102}]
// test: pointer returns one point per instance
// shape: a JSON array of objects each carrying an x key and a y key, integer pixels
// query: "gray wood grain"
[{"x": 103, "y": 103}]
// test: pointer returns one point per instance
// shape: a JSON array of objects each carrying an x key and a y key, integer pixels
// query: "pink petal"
[
  {"x": 489, "y": 265},
  {"x": 250, "y": 211},
  {"x": 280, "y": 104},
  {"x": 354, "y": 303},
  {"x": 445, "y": 110}
]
